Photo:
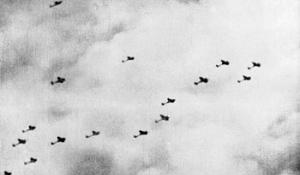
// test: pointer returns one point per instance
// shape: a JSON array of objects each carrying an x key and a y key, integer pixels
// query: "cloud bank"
[{"x": 219, "y": 128}]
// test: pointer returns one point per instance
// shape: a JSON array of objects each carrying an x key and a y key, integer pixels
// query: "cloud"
[{"x": 217, "y": 128}]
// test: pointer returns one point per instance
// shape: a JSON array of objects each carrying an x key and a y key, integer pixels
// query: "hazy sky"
[{"x": 219, "y": 128}]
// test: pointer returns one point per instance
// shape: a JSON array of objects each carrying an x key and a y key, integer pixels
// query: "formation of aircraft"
[
  {"x": 166, "y": 118},
  {"x": 59, "y": 139}
]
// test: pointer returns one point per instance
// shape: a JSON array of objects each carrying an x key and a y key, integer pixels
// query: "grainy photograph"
[{"x": 149, "y": 87}]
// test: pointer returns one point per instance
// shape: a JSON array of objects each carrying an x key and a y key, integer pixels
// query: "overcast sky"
[{"x": 218, "y": 128}]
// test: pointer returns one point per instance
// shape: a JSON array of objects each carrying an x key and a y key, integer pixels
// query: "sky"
[{"x": 218, "y": 128}]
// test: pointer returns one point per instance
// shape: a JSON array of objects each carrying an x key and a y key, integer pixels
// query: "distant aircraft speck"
[
  {"x": 56, "y": 3},
  {"x": 128, "y": 59},
  {"x": 223, "y": 62},
  {"x": 141, "y": 132}
]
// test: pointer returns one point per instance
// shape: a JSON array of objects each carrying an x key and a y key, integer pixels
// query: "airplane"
[
  {"x": 94, "y": 133},
  {"x": 30, "y": 128},
  {"x": 59, "y": 140},
  {"x": 201, "y": 80},
  {"x": 56, "y": 3},
  {"x": 20, "y": 141},
  {"x": 169, "y": 100},
  {"x": 59, "y": 80},
  {"x": 254, "y": 64},
  {"x": 7, "y": 173},
  {"x": 141, "y": 132},
  {"x": 245, "y": 78},
  {"x": 162, "y": 118},
  {"x": 32, "y": 160},
  {"x": 128, "y": 59},
  {"x": 223, "y": 62}
]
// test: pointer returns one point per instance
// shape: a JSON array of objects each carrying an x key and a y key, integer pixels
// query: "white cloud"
[{"x": 219, "y": 128}]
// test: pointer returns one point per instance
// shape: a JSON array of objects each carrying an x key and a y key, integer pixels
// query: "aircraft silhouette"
[
  {"x": 162, "y": 118},
  {"x": 128, "y": 59},
  {"x": 32, "y": 160},
  {"x": 254, "y": 64},
  {"x": 59, "y": 140},
  {"x": 94, "y": 133},
  {"x": 30, "y": 128},
  {"x": 201, "y": 80},
  {"x": 223, "y": 62},
  {"x": 7, "y": 173},
  {"x": 169, "y": 100},
  {"x": 245, "y": 78},
  {"x": 20, "y": 142},
  {"x": 58, "y": 80},
  {"x": 141, "y": 132},
  {"x": 56, "y": 3}
]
